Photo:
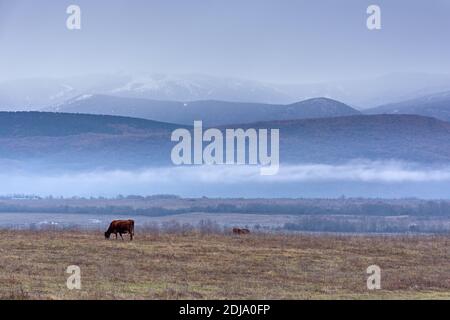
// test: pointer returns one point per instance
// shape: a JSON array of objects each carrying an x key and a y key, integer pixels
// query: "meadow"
[{"x": 195, "y": 265}]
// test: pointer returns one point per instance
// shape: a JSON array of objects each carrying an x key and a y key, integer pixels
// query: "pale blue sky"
[{"x": 268, "y": 40}]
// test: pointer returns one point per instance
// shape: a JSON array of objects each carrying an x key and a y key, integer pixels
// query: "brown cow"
[
  {"x": 240, "y": 231},
  {"x": 120, "y": 227}
]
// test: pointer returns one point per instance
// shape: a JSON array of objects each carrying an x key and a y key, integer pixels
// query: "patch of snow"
[
  {"x": 83, "y": 97},
  {"x": 66, "y": 89}
]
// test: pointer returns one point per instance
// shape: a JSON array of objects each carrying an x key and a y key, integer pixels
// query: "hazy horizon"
[
  {"x": 193, "y": 74},
  {"x": 365, "y": 179},
  {"x": 294, "y": 42}
]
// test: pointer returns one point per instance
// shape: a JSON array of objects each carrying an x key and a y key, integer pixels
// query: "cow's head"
[{"x": 107, "y": 234}]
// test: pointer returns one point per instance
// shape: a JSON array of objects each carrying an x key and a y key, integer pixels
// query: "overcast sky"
[{"x": 268, "y": 40}]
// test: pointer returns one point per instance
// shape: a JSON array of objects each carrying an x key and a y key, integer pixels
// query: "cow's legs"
[
  {"x": 131, "y": 236},
  {"x": 116, "y": 235},
  {"x": 121, "y": 235}
]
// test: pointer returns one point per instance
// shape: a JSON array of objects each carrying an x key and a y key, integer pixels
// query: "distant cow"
[
  {"x": 120, "y": 227},
  {"x": 240, "y": 231}
]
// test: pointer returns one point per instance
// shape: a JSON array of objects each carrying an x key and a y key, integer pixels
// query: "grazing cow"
[
  {"x": 120, "y": 227},
  {"x": 240, "y": 231}
]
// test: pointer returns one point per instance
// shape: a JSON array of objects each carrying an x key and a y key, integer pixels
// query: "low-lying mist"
[{"x": 357, "y": 179}]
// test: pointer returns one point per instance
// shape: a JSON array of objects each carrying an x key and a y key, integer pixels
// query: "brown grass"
[{"x": 196, "y": 266}]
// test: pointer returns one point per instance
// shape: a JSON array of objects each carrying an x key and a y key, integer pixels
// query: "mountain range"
[
  {"x": 212, "y": 113},
  {"x": 62, "y": 141},
  {"x": 435, "y": 105},
  {"x": 215, "y": 113},
  {"x": 39, "y": 93},
  {"x": 124, "y": 122}
]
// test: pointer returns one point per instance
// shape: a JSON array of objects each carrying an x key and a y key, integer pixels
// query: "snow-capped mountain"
[
  {"x": 435, "y": 105},
  {"x": 35, "y": 94},
  {"x": 198, "y": 87},
  {"x": 211, "y": 112}
]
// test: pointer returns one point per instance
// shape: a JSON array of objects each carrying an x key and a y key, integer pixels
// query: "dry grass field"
[{"x": 196, "y": 266}]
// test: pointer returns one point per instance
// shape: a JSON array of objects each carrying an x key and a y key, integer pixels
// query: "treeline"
[
  {"x": 367, "y": 225},
  {"x": 312, "y": 208},
  {"x": 120, "y": 210},
  {"x": 118, "y": 197},
  {"x": 428, "y": 208}
]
